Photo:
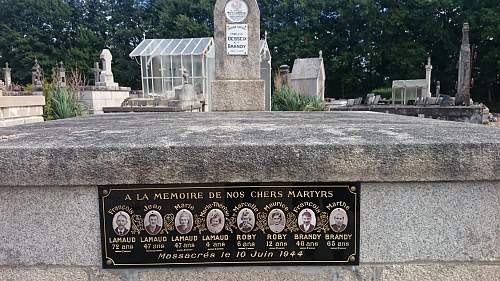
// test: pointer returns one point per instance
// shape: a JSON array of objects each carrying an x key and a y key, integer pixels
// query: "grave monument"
[
  {"x": 7, "y": 76},
  {"x": 428, "y": 75},
  {"x": 464, "y": 70},
  {"x": 238, "y": 85},
  {"x": 142, "y": 194},
  {"x": 37, "y": 77},
  {"x": 61, "y": 75},
  {"x": 106, "y": 92},
  {"x": 308, "y": 77}
]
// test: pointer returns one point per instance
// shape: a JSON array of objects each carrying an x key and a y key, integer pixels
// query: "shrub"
[
  {"x": 286, "y": 99},
  {"x": 65, "y": 104}
]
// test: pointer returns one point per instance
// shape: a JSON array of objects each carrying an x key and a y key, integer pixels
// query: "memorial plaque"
[
  {"x": 237, "y": 39},
  {"x": 246, "y": 224}
]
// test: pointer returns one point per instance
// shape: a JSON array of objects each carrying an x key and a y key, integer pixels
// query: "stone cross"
[
  {"x": 97, "y": 71},
  {"x": 106, "y": 78},
  {"x": 428, "y": 73},
  {"x": 464, "y": 70},
  {"x": 61, "y": 75},
  {"x": 238, "y": 85},
  {"x": 37, "y": 75},
  {"x": 7, "y": 75}
]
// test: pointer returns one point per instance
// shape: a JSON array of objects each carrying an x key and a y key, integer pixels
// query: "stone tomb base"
[
  {"x": 238, "y": 95},
  {"x": 95, "y": 98},
  {"x": 430, "y": 190},
  {"x": 19, "y": 110}
]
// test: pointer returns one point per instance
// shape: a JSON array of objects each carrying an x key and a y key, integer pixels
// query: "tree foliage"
[{"x": 366, "y": 43}]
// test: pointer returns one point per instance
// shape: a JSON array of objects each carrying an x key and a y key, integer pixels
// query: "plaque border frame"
[{"x": 108, "y": 263}]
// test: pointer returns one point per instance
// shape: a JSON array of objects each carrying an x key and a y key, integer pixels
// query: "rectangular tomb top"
[{"x": 246, "y": 147}]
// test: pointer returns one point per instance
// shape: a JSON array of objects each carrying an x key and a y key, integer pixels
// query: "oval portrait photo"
[
  {"x": 246, "y": 220},
  {"x": 184, "y": 221},
  {"x": 121, "y": 223},
  {"x": 338, "y": 220},
  {"x": 215, "y": 221},
  {"x": 153, "y": 222},
  {"x": 276, "y": 220},
  {"x": 307, "y": 220}
]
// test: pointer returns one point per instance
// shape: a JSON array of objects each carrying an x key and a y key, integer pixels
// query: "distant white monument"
[
  {"x": 106, "y": 78},
  {"x": 106, "y": 92}
]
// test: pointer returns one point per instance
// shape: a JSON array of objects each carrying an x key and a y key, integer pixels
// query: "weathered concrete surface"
[
  {"x": 234, "y": 95},
  {"x": 246, "y": 147},
  {"x": 370, "y": 272},
  {"x": 411, "y": 222},
  {"x": 43, "y": 274},
  {"x": 43, "y": 226}
]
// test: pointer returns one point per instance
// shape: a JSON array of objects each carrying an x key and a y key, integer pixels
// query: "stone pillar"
[
  {"x": 61, "y": 75},
  {"x": 464, "y": 70},
  {"x": 237, "y": 85},
  {"x": 7, "y": 76},
  {"x": 285, "y": 75},
  {"x": 428, "y": 73},
  {"x": 37, "y": 76},
  {"x": 97, "y": 71},
  {"x": 438, "y": 89},
  {"x": 106, "y": 78}
]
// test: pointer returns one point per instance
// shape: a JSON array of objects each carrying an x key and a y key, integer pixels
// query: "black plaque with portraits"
[{"x": 307, "y": 224}]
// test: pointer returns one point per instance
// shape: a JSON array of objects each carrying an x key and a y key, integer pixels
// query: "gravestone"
[
  {"x": 96, "y": 71},
  {"x": 61, "y": 75},
  {"x": 106, "y": 92},
  {"x": 428, "y": 73},
  {"x": 37, "y": 76},
  {"x": 7, "y": 76},
  {"x": 106, "y": 78},
  {"x": 237, "y": 85},
  {"x": 464, "y": 70}
]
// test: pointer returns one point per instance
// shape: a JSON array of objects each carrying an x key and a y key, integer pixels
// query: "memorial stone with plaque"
[{"x": 237, "y": 85}]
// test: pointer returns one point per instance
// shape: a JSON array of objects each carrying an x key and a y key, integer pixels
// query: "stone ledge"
[
  {"x": 247, "y": 147},
  {"x": 373, "y": 272},
  {"x": 19, "y": 101}
]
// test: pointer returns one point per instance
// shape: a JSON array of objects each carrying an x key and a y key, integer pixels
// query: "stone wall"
[
  {"x": 430, "y": 197},
  {"x": 96, "y": 98},
  {"x": 18, "y": 110},
  {"x": 409, "y": 231}
]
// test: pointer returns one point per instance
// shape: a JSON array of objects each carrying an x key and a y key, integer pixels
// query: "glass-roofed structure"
[{"x": 164, "y": 63}]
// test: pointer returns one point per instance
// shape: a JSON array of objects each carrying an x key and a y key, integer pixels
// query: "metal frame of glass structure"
[{"x": 163, "y": 62}]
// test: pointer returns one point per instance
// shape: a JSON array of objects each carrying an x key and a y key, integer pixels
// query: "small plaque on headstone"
[
  {"x": 237, "y": 39},
  {"x": 204, "y": 225},
  {"x": 236, "y": 10}
]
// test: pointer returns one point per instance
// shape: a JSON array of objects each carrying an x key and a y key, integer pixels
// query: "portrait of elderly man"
[
  {"x": 338, "y": 220},
  {"x": 153, "y": 223},
  {"x": 307, "y": 219},
  {"x": 121, "y": 223},
  {"x": 276, "y": 221},
  {"x": 184, "y": 221},
  {"x": 246, "y": 220},
  {"x": 215, "y": 221}
]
